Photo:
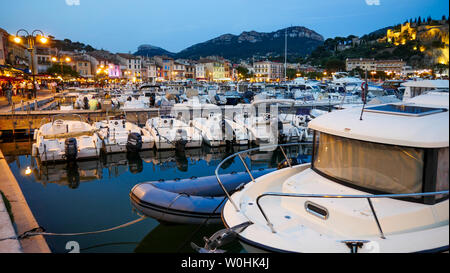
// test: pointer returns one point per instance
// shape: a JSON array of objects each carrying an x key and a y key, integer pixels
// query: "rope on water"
[{"x": 41, "y": 231}]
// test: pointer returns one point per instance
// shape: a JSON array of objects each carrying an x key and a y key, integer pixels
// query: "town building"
[
  {"x": 268, "y": 71},
  {"x": 375, "y": 65},
  {"x": 3, "y": 43},
  {"x": 200, "y": 72},
  {"x": 43, "y": 58},
  {"x": 179, "y": 70},
  {"x": 12, "y": 53},
  {"x": 164, "y": 67},
  {"x": 130, "y": 66},
  {"x": 82, "y": 65},
  {"x": 149, "y": 70}
]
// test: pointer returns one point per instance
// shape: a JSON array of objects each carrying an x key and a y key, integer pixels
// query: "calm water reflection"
[{"x": 92, "y": 195}]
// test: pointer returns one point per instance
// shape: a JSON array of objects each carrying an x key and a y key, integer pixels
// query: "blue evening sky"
[{"x": 122, "y": 25}]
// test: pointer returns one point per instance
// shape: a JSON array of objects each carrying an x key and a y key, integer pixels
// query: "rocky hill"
[
  {"x": 248, "y": 44},
  {"x": 150, "y": 51},
  {"x": 301, "y": 41}
]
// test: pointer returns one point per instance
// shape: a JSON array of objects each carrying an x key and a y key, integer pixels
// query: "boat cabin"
[{"x": 394, "y": 148}]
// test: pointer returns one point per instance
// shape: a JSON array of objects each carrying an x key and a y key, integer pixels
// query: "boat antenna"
[{"x": 364, "y": 91}]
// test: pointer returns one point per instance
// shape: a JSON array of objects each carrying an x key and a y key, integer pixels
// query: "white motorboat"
[
  {"x": 261, "y": 129},
  {"x": 376, "y": 184},
  {"x": 415, "y": 88},
  {"x": 132, "y": 104},
  {"x": 293, "y": 128},
  {"x": 265, "y": 128},
  {"x": 64, "y": 139},
  {"x": 212, "y": 129},
  {"x": 171, "y": 133},
  {"x": 119, "y": 135}
]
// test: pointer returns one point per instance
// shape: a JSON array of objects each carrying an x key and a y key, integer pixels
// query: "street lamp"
[
  {"x": 61, "y": 60},
  {"x": 373, "y": 73},
  {"x": 36, "y": 35}
]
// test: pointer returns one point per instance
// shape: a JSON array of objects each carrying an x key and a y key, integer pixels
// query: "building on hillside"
[
  {"x": 395, "y": 66},
  {"x": 428, "y": 34}
]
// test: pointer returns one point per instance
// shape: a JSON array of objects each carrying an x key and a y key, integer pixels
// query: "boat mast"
[
  {"x": 285, "y": 59},
  {"x": 285, "y": 53}
]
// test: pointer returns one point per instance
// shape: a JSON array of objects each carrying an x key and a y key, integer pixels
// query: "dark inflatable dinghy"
[{"x": 188, "y": 201}]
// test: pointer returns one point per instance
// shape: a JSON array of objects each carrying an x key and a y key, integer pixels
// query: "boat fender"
[
  {"x": 284, "y": 164},
  {"x": 70, "y": 148},
  {"x": 134, "y": 142}
]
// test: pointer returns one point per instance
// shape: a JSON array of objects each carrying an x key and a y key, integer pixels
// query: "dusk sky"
[{"x": 123, "y": 25}]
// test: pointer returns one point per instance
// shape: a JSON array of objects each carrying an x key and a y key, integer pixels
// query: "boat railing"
[
  {"x": 278, "y": 194},
  {"x": 340, "y": 196},
  {"x": 239, "y": 154}
]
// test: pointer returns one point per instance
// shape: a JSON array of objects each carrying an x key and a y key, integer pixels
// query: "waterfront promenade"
[
  {"x": 22, "y": 215},
  {"x": 17, "y": 100}
]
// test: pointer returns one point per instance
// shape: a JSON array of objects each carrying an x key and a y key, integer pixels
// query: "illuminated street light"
[
  {"x": 36, "y": 35},
  {"x": 17, "y": 40},
  {"x": 43, "y": 39}
]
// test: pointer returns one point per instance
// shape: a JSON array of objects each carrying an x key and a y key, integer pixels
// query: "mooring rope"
[{"x": 41, "y": 231}]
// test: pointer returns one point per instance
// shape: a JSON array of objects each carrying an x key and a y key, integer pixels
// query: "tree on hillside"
[
  {"x": 335, "y": 65},
  {"x": 291, "y": 73},
  {"x": 65, "y": 70},
  {"x": 243, "y": 71}
]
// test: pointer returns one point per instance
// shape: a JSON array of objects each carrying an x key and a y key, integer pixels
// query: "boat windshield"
[{"x": 367, "y": 165}]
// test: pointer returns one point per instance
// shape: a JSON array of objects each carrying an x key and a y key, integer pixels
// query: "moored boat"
[{"x": 375, "y": 184}]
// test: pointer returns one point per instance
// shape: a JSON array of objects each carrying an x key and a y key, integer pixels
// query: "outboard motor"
[
  {"x": 134, "y": 142},
  {"x": 71, "y": 149},
  {"x": 285, "y": 164}
]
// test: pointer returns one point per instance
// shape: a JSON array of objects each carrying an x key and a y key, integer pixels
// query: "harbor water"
[{"x": 93, "y": 195}]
